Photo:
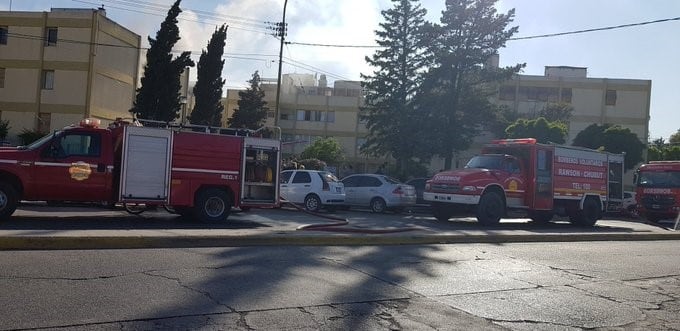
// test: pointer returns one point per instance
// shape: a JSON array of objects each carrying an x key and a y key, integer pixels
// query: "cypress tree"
[
  {"x": 159, "y": 96},
  {"x": 208, "y": 88},
  {"x": 252, "y": 111}
]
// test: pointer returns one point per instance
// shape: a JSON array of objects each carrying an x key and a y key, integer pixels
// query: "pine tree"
[
  {"x": 393, "y": 84},
  {"x": 458, "y": 85},
  {"x": 252, "y": 111},
  {"x": 159, "y": 98},
  {"x": 208, "y": 88}
]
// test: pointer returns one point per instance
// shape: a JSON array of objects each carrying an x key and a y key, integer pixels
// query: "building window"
[
  {"x": 48, "y": 79},
  {"x": 330, "y": 118},
  {"x": 507, "y": 93},
  {"x": 610, "y": 98},
  {"x": 566, "y": 95},
  {"x": 270, "y": 114},
  {"x": 3, "y": 35},
  {"x": 50, "y": 36},
  {"x": 283, "y": 116},
  {"x": 2, "y": 77},
  {"x": 44, "y": 122},
  {"x": 315, "y": 116},
  {"x": 545, "y": 94}
]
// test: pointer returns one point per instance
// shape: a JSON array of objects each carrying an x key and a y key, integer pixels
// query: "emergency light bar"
[{"x": 90, "y": 123}]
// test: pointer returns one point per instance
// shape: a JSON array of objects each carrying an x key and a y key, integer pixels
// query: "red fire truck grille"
[{"x": 446, "y": 188}]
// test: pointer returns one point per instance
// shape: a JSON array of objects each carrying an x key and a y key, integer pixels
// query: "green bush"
[
  {"x": 28, "y": 136},
  {"x": 4, "y": 129},
  {"x": 313, "y": 164}
]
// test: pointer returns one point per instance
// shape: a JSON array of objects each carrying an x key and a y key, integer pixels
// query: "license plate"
[{"x": 656, "y": 207}]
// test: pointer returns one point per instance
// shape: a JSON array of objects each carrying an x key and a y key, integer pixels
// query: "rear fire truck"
[
  {"x": 657, "y": 190},
  {"x": 200, "y": 172},
  {"x": 538, "y": 180}
]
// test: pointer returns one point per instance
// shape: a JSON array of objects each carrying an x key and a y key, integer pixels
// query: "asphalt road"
[{"x": 530, "y": 286}]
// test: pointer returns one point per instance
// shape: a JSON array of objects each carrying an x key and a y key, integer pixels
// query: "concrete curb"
[{"x": 284, "y": 239}]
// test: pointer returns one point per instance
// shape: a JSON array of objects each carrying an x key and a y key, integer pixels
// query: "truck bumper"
[{"x": 451, "y": 198}]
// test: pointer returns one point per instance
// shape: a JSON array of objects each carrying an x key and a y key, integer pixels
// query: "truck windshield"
[
  {"x": 485, "y": 162},
  {"x": 659, "y": 179},
  {"x": 39, "y": 142}
]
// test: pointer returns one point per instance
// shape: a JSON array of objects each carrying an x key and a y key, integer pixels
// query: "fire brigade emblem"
[
  {"x": 80, "y": 171},
  {"x": 512, "y": 186}
]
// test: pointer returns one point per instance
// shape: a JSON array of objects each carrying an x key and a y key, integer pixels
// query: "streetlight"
[{"x": 282, "y": 34}]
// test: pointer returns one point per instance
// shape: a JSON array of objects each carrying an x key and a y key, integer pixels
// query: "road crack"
[{"x": 204, "y": 293}]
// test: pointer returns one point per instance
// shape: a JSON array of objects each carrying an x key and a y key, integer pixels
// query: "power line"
[
  {"x": 331, "y": 45},
  {"x": 179, "y": 18},
  {"x": 596, "y": 29},
  {"x": 613, "y": 27}
]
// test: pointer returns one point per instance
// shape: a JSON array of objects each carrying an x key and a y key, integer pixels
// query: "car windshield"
[
  {"x": 659, "y": 179},
  {"x": 485, "y": 162},
  {"x": 36, "y": 144},
  {"x": 329, "y": 177}
]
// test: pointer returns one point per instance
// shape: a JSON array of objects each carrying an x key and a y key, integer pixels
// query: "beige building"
[
  {"x": 309, "y": 109},
  {"x": 60, "y": 66}
]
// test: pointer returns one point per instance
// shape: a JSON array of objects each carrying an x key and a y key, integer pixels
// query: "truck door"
[
  {"x": 514, "y": 182},
  {"x": 72, "y": 168},
  {"x": 543, "y": 179}
]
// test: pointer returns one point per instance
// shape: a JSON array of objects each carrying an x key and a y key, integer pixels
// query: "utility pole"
[{"x": 281, "y": 32}]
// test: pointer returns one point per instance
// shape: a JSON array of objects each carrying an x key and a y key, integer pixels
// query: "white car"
[
  {"x": 629, "y": 202},
  {"x": 312, "y": 188}
]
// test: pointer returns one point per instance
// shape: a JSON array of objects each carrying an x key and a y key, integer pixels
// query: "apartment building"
[
  {"x": 309, "y": 109},
  {"x": 595, "y": 100},
  {"x": 60, "y": 66}
]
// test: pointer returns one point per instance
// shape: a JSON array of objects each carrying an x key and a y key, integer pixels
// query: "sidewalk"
[{"x": 40, "y": 226}]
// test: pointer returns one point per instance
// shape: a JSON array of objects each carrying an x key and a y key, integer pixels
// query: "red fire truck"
[
  {"x": 198, "y": 174},
  {"x": 657, "y": 190},
  {"x": 537, "y": 180}
]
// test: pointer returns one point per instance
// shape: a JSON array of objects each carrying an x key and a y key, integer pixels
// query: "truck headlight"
[{"x": 469, "y": 188}]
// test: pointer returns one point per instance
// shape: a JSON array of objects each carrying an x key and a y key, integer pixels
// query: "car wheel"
[
  {"x": 378, "y": 205},
  {"x": 9, "y": 199},
  {"x": 312, "y": 203},
  {"x": 212, "y": 205},
  {"x": 589, "y": 215},
  {"x": 490, "y": 209},
  {"x": 441, "y": 212}
]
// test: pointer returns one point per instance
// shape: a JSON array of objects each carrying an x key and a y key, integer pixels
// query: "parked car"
[
  {"x": 419, "y": 185},
  {"x": 378, "y": 192},
  {"x": 629, "y": 202},
  {"x": 312, "y": 188}
]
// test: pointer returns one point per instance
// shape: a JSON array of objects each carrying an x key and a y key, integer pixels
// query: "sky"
[{"x": 649, "y": 52}]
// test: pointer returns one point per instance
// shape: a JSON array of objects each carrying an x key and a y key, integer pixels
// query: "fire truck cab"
[
  {"x": 200, "y": 172},
  {"x": 657, "y": 190}
]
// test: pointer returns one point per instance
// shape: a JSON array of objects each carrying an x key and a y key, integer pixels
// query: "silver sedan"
[{"x": 378, "y": 192}]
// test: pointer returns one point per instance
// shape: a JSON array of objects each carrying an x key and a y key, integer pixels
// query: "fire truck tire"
[
  {"x": 490, "y": 209},
  {"x": 312, "y": 203},
  {"x": 589, "y": 215},
  {"x": 212, "y": 204},
  {"x": 8, "y": 201},
  {"x": 378, "y": 205},
  {"x": 441, "y": 212}
]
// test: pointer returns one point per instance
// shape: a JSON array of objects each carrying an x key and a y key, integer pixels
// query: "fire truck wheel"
[
  {"x": 8, "y": 200},
  {"x": 490, "y": 209},
  {"x": 441, "y": 213},
  {"x": 312, "y": 202},
  {"x": 589, "y": 215},
  {"x": 378, "y": 205},
  {"x": 212, "y": 205}
]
